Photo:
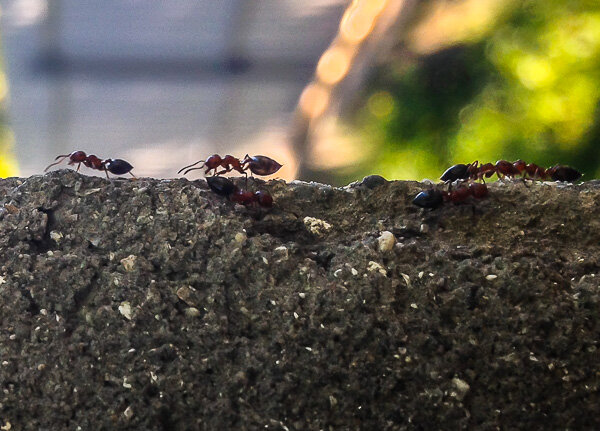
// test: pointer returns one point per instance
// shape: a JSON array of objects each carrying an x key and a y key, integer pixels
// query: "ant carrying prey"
[
  {"x": 258, "y": 165},
  {"x": 114, "y": 166}
]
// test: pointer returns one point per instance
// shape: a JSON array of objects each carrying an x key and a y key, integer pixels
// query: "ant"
[
  {"x": 114, "y": 166},
  {"x": 503, "y": 168},
  {"x": 215, "y": 161},
  {"x": 434, "y": 198},
  {"x": 225, "y": 187},
  {"x": 258, "y": 165}
]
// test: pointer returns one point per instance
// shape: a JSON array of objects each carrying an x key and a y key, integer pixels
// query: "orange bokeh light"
[
  {"x": 334, "y": 64},
  {"x": 359, "y": 19},
  {"x": 314, "y": 100}
]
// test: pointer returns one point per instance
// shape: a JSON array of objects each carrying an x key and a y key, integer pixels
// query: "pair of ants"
[
  {"x": 258, "y": 165},
  {"x": 472, "y": 172},
  {"x": 504, "y": 169}
]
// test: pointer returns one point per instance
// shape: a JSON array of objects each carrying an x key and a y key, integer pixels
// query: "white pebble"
[
  {"x": 374, "y": 266},
  {"x": 128, "y": 413},
  {"x": 386, "y": 241},
  {"x": 316, "y": 226},
  {"x": 460, "y": 388},
  {"x": 125, "y": 309},
  {"x": 128, "y": 262}
]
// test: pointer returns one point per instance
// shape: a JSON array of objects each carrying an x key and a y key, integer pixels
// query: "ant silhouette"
[
  {"x": 258, "y": 165},
  {"x": 114, "y": 166}
]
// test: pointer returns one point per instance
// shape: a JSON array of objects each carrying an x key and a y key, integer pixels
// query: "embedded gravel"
[{"x": 158, "y": 305}]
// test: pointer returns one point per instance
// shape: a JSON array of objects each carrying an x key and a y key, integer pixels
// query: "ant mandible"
[
  {"x": 114, "y": 166},
  {"x": 258, "y": 165},
  {"x": 225, "y": 187}
]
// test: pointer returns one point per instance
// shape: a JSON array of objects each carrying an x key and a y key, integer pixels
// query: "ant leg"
[
  {"x": 224, "y": 171},
  {"x": 189, "y": 166},
  {"x": 78, "y": 166},
  {"x": 106, "y": 172},
  {"x": 56, "y": 163},
  {"x": 134, "y": 177}
]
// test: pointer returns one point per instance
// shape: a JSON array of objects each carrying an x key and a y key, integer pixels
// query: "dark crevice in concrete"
[
  {"x": 33, "y": 307},
  {"x": 81, "y": 298},
  {"x": 46, "y": 242}
]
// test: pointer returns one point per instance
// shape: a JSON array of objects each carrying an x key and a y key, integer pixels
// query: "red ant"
[
  {"x": 215, "y": 161},
  {"x": 114, "y": 166},
  {"x": 503, "y": 168},
  {"x": 434, "y": 198},
  {"x": 225, "y": 187},
  {"x": 258, "y": 165}
]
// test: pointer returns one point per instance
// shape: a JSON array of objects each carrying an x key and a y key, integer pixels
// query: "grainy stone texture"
[{"x": 155, "y": 304}]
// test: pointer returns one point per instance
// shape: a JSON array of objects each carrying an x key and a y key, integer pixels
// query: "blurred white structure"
[{"x": 161, "y": 84}]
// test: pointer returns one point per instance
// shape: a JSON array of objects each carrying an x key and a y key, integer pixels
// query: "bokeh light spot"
[
  {"x": 534, "y": 72},
  {"x": 334, "y": 64},
  {"x": 314, "y": 100},
  {"x": 3, "y": 86},
  {"x": 357, "y": 23},
  {"x": 381, "y": 104}
]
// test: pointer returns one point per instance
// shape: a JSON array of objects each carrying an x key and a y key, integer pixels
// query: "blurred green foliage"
[{"x": 526, "y": 88}]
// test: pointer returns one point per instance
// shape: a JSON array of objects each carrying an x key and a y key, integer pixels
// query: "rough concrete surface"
[{"x": 158, "y": 305}]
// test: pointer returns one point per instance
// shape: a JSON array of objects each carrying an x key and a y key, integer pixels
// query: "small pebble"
[
  {"x": 386, "y": 241},
  {"x": 192, "y": 312},
  {"x": 460, "y": 388},
  {"x": 125, "y": 309},
  {"x": 281, "y": 253},
  {"x": 316, "y": 226},
  {"x": 240, "y": 237},
  {"x": 374, "y": 266},
  {"x": 55, "y": 236},
  {"x": 128, "y": 262},
  {"x": 128, "y": 413},
  {"x": 373, "y": 181}
]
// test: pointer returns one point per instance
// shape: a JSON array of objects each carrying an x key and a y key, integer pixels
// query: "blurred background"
[{"x": 333, "y": 89}]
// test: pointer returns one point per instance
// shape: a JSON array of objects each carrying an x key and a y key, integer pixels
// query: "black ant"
[
  {"x": 258, "y": 165},
  {"x": 434, "y": 198},
  {"x": 114, "y": 166},
  {"x": 225, "y": 187}
]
